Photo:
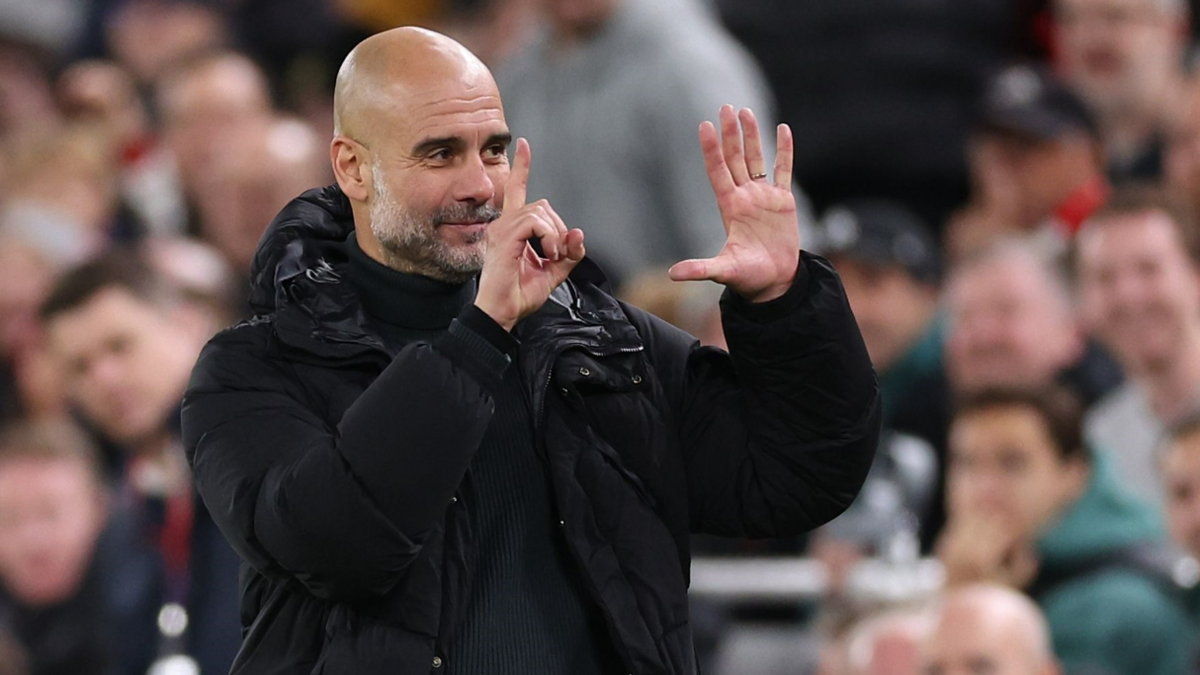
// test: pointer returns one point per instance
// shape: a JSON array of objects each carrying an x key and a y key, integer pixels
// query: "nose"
[{"x": 474, "y": 184}]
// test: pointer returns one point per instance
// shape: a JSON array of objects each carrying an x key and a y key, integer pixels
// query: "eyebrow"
[{"x": 456, "y": 143}]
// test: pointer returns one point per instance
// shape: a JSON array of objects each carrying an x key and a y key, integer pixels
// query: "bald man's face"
[
  {"x": 438, "y": 166},
  {"x": 970, "y": 641}
]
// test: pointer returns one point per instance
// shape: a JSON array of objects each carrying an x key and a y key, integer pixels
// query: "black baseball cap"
[
  {"x": 1029, "y": 101},
  {"x": 882, "y": 233}
]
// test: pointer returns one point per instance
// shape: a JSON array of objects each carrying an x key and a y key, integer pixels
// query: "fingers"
[
  {"x": 518, "y": 177},
  {"x": 784, "y": 153},
  {"x": 731, "y": 146},
  {"x": 717, "y": 269},
  {"x": 573, "y": 252},
  {"x": 752, "y": 140},
  {"x": 714, "y": 160}
]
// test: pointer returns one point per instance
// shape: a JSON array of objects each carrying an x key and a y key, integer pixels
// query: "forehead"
[
  {"x": 1117, "y": 234},
  {"x": 1006, "y": 278},
  {"x": 468, "y": 109},
  {"x": 1017, "y": 425},
  {"x": 111, "y": 309}
]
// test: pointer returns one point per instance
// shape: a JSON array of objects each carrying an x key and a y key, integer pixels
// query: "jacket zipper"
[{"x": 539, "y": 430}]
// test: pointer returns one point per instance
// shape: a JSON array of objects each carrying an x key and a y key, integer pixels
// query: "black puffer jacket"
[{"x": 340, "y": 472}]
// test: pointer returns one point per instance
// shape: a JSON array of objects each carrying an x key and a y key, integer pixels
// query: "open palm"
[{"x": 762, "y": 246}]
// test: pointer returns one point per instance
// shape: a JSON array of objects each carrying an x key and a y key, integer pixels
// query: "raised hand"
[
  {"x": 762, "y": 246},
  {"x": 515, "y": 280}
]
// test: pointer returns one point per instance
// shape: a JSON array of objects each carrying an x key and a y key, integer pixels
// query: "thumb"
[{"x": 716, "y": 269}]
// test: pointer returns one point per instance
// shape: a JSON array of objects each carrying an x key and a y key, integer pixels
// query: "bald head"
[
  {"x": 989, "y": 629},
  {"x": 389, "y": 68},
  {"x": 420, "y": 150},
  {"x": 890, "y": 644}
]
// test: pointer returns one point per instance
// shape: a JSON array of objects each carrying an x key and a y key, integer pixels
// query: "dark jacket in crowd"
[{"x": 341, "y": 472}]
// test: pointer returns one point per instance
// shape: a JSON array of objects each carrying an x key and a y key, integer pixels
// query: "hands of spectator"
[
  {"x": 515, "y": 280},
  {"x": 762, "y": 248},
  {"x": 984, "y": 547}
]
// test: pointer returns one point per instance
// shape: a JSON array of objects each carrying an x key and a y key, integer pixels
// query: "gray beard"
[{"x": 409, "y": 239}]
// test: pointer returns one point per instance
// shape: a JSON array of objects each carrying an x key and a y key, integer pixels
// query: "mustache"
[{"x": 466, "y": 213}]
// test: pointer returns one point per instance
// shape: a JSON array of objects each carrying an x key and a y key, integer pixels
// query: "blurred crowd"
[{"x": 1009, "y": 189}]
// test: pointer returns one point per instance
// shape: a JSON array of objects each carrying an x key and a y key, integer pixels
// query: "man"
[
  {"x": 247, "y": 183},
  {"x": 125, "y": 340},
  {"x": 625, "y": 83},
  {"x": 425, "y": 470},
  {"x": 76, "y": 579},
  {"x": 1139, "y": 281},
  {"x": 204, "y": 103},
  {"x": 1180, "y": 465},
  {"x": 888, "y": 263},
  {"x": 889, "y": 643},
  {"x": 1036, "y": 164},
  {"x": 989, "y": 630},
  {"x": 1126, "y": 59},
  {"x": 1031, "y": 508},
  {"x": 53, "y": 507},
  {"x": 1011, "y": 323},
  {"x": 1181, "y": 163}
]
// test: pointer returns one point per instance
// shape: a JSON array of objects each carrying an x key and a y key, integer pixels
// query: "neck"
[
  {"x": 1174, "y": 385},
  {"x": 404, "y": 298}
]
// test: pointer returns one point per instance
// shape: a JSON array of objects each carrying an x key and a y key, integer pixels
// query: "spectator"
[
  {"x": 204, "y": 103},
  {"x": 1180, "y": 465},
  {"x": 1139, "y": 279},
  {"x": 1126, "y": 59},
  {"x": 1182, "y": 163},
  {"x": 1033, "y": 509},
  {"x": 1037, "y": 167},
  {"x": 989, "y": 630},
  {"x": 127, "y": 342},
  {"x": 626, "y": 83},
  {"x": 262, "y": 169},
  {"x": 889, "y": 643},
  {"x": 149, "y": 37},
  {"x": 888, "y": 264},
  {"x": 61, "y": 196},
  {"x": 103, "y": 94},
  {"x": 1011, "y": 323},
  {"x": 21, "y": 338},
  {"x": 58, "y": 595}
]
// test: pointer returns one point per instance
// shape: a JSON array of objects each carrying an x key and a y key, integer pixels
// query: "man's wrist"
[{"x": 505, "y": 323}]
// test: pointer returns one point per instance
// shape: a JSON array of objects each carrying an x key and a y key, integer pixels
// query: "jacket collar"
[{"x": 297, "y": 277}]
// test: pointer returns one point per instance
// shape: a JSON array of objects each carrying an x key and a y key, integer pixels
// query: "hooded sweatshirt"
[{"x": 1113, "y": 619}]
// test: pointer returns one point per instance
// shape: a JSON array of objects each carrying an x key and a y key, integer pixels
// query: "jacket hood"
[
  {"x": 296, "y": 241},
  {"x": 1105, "y": 518}
]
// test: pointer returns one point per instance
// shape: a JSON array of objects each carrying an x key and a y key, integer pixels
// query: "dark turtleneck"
[{"x": 528, "y": 611}]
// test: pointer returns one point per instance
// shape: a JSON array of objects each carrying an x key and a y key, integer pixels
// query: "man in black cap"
[
  {"x": 889, "y": 264},
  {"x": 1036, "y": 163}
]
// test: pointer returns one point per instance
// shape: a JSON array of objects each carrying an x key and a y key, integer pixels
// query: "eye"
[
  {"x": 496, "y": 151},
  {"x": 441, "y": 155}
]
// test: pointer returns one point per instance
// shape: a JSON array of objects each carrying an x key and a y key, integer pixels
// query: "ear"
[{"x": 351, "y": 167}]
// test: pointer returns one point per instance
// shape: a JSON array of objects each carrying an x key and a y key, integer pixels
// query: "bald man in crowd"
[
  {"x": 442, "y": 446},
  {"x": 989, "y": 630}
]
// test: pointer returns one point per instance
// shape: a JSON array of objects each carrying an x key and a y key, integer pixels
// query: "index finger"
[{"x": 518, "y": 177}]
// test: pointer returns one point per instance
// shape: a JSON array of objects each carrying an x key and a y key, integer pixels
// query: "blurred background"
[{"x": 1008, "y": 188}]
